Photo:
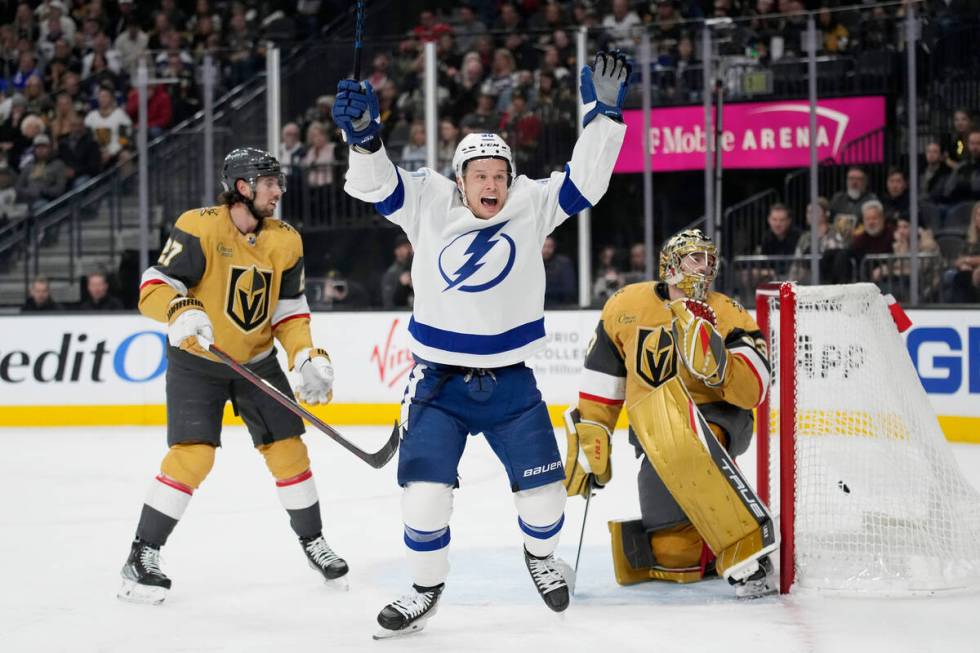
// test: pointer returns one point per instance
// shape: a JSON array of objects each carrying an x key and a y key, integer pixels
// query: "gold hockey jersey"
[
  {"x": 251, "y": 285},
  {"x": 623, "y": 361}
]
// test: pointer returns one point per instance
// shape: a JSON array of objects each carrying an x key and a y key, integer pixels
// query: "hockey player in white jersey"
[{"x": 478, "y": 315}]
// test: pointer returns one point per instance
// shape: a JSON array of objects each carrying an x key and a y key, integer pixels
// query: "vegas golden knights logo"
[
  {"x": 248, "y": 296},
  {"x": 656, "y": 357}
]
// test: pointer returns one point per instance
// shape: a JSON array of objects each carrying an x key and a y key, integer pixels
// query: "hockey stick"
[
  {"x": 581, "y": 536},
  {"x": 377, "y": 459},
  {"x": 358, "y": 34}
]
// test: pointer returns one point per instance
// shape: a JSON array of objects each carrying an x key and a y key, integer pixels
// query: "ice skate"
[
  {"x": 551, "y": 577},
  {"x": 321, "y": 557},
  {"x": 143, "y": 582},
  {"x": 761, "y": 582},
  {"x": 409, "y": 613}
]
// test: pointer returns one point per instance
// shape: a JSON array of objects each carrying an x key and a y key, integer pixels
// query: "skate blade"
[
  {"x": 384, "y": 633},
  {"x": 755, "y": 593},
  {"x": 133, "y": 592},
  {"x": 337, "y": 584}
]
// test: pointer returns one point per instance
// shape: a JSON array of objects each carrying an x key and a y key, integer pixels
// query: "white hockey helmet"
[{"x": 482, "y": 146}]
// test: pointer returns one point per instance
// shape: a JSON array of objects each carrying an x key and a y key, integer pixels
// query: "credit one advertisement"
[
  {"x": 754, "y": 134},
  {"x": 119, "y": 361}
]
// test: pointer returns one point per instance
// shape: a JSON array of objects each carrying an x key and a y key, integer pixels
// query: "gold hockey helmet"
[{"x": 689, "y": 261}]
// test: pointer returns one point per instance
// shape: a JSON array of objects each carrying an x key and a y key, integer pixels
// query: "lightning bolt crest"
[{"x": 481, "y": 244}]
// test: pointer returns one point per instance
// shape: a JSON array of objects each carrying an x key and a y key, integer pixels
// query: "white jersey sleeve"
[
  {"x": 585, "y": 178},
  {"x": 396, "y": 193}
]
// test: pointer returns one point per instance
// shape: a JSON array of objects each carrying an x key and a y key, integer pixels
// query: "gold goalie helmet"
[{"x": 689, "y": 261}]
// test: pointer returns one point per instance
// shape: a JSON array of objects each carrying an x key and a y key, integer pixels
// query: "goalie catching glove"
[
  {"x": 317, "y": 372},
  {"x": 187, "y": 321},
  {"x": 589, "y": 444},
  {"x": 700, "y": 345}
]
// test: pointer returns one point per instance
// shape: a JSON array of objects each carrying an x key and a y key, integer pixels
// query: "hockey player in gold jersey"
[
  {"x": 232, "y": 274},
  {"x": 688, "y": 364}
]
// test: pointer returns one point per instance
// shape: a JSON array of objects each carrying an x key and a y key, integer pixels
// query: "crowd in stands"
[{"x": 503, "y": 66}]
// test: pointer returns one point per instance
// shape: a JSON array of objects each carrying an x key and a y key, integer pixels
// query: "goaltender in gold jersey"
[
  {"x": 232, "y": 274},
  {"x": 688, "y": 364}
]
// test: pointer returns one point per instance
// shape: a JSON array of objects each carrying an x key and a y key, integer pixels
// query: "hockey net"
[{"x": 851, "y": 457}]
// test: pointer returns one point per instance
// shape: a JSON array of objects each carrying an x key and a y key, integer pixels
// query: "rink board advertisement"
[
  {"x": 755, "y": 134},
  {"x": 89, "y": 370}
]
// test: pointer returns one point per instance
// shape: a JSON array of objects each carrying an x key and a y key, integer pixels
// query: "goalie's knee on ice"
[
  {"x": 427, "y": 506},
  {"x": 189, "y": 464},
  {"x": 286, "y": 458}
]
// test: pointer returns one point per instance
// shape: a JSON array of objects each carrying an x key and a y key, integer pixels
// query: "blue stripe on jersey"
[
  {"x": 468, "y": 343},
  {"x": 570, "y": 198},
  {"x": 426, "y": 540},
  {"x": 542, "y": 532},
  {"x": 393, "y": 202}
]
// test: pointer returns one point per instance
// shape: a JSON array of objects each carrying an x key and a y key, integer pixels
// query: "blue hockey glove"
[
  {"x": 356, "y": 111},
  {"x": 604, "y": 86}
]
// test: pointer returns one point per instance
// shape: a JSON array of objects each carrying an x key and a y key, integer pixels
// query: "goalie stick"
[{"x": 377, "y": 459}]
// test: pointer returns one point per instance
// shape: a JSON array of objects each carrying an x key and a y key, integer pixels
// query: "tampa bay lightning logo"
[{"x": 478, "y": 258}]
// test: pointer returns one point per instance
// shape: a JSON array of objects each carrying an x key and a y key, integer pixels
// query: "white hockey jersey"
[{"x": 479, "y": 284}]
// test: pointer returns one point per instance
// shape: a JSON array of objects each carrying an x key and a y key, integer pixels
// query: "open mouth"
[{"x": 489, "y": 202}]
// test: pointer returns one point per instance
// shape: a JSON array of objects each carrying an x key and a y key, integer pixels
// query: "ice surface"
[{"x": 71, "y": 498}]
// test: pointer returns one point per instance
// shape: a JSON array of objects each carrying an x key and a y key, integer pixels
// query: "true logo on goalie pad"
[
  {"x": 656, "y": 356},
  {"x": 248, "y": 296}
]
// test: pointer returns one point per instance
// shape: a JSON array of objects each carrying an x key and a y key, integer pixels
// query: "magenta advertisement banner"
[{"x": 755, "y": 134}]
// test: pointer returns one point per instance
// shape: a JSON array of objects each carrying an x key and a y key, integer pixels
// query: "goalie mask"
[
  {"x": 689, "y": 261},
  {"x": 248, "y": 164}
]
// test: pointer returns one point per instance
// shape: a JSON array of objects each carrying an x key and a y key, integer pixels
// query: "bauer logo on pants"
[
  {"x": 248, "y": 296},
  {"x": 656, "y": 357}
]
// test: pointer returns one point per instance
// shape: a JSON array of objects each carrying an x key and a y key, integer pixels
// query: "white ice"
[{"x": 71, "y": 498}]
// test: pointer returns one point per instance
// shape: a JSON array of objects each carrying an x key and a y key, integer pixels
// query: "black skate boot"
[
  {"x": 143, "y": 582},
  {"x": 322, "y": 558},
  {"x": 409, "y": 613},
  {"x": 761, "y": 582},
  {"x": 551, "y": 577}
]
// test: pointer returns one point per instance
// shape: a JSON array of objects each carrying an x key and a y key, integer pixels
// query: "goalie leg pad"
[
  {"x": 700, "y": 475},
  {"x": 188, "y": 464},
  {"x": 635, "y": 560},
  {"x": 541, "y": 513},
  {"x": 287, "y": 458},
  {"x": 426, "y": 509}
]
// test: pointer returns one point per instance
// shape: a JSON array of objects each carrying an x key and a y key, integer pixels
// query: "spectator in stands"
[
  {"x": 80, "y": 153},
  {"x": 964, "y": 182},
  {"x": 608, "y": 278},
  {"x": 59, "y": 123},
  {"x": 31, "y": 126},
  {"x": 896, "y": 279},
  {"x": 965, "y": 273},
  {"x": 846, "y": 205},
  {"x": 26, "y": 68},
  {"x": 522, "y": 129},
  {"x": 827, "y": 239},
  {"x": 637, "y": 265},
  {"x": 10, "y": 208},
  {"x": 413, "y": 153},
  {"x": 340, "y": 293},
  {"x": 159, "y": 109},
  {"x": 503, "y": 76},
  {"x": 875, "y": 235},
  {"x": 291, "y": 156},
  {"x": 99, "y": 298},
  {"x": 54, "y": 13},
  {"x": 896, "y": 197},
  {"x": 240, "y": 42},
  {"x": 101, "y": 45},
  {"x": 955, "y": 143},
  {"x": 484, "y": 118},
  {"x": 622, "y": 25},
  {"x": 39, "y": 297},
  {"x": 468, "y": 27},
  {"x": 429, "y": 28},
  {"x": 63, "y": 62},
  {"x": 120, "y": 23},
  {"x": 933, "y": 181},
  {"x": 12, "y": 139},
  {"x": 396, "y": 283},
  {"x": 44, "y": 179},
  {"x": 319, "y": 161},
  {"x": 131, "y": 45},
  {"x": 559, "y": 273},
  {"x": 35, "y": 96},
  {"x": 835, "y": 35},
  {"x": 183, "y": 95},
  {"x": 783, "y": 236},
  {"x": 110, "y": 125},
  {"x": 446, "y": 147}
]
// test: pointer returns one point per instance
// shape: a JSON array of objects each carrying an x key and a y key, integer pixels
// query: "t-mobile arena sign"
[{"x": 755, "y": 134}]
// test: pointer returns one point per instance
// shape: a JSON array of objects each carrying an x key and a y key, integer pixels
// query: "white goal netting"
[{"x": 881, "y": 506}]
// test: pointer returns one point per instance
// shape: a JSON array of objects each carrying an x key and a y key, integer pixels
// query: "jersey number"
[{"x": 171, "y": 249}]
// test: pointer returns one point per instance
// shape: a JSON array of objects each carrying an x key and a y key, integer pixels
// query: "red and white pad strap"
[
  {"x": 169, "y": 496},
  {"x": 298, "y": 492}
]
